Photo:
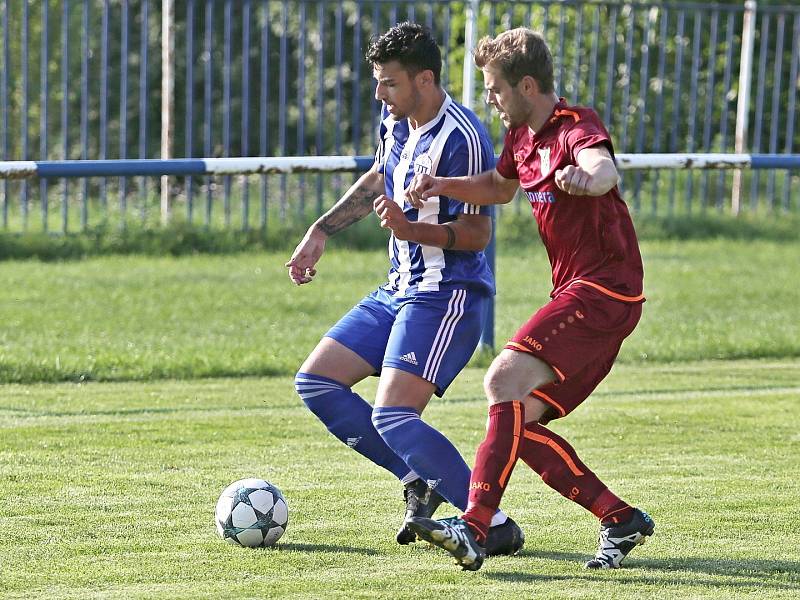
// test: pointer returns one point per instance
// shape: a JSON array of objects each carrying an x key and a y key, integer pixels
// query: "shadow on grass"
[
  {"x": 751, "y": 573},
  {"x": 765, "y": 389},
  {"x": 125, "y": 412},
  {"x": 327, "y": 548},
  {"x": 28, "y": 374}
]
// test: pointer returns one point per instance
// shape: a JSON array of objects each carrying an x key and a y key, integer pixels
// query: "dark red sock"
[
  {"x": 494, "y": 463},
  {"x": 556, "y": 462}
]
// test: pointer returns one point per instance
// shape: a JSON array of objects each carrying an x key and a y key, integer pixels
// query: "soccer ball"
[{"x": 252, "y": 513}]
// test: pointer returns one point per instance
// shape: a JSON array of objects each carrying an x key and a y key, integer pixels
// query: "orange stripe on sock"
[
  {"x": 549, "y": 400},
  {"x": 515, "y": 446},
  {"x": 613, "y": 512},
  {"x": 557, "y": 449}
]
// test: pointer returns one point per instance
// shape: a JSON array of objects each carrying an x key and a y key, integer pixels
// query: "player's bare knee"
[
  {"x": 308, "y": 365},
  {"x": 496, "y": 384},
  {"x": 401, "y": 388},
  {"x": 492, "y": 387},
  {"x": 336, "y": 362},
  {"x": 316, "y": 361}
]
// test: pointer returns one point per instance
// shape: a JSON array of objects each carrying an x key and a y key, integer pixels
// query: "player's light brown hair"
[{"x": 517, "y": 53}]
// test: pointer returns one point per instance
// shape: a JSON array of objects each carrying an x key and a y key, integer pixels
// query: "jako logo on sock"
[{"x": 480, "y": 485}]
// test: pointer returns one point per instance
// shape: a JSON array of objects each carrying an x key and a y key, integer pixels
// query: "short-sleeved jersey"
[
  {"x": 589, "y": 239},
  {"x": 452, "y": 144}
]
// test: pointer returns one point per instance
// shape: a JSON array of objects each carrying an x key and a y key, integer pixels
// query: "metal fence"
[{"x": 81, "y": 79}]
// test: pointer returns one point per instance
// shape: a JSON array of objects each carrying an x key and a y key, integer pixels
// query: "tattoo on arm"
[
  {"x": 354, "y": 206},
  {"x": 451, "y": 237}
]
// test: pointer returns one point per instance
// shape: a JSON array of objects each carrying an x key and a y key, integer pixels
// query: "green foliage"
[
  {"x": 711, "y": 226},
  {"x": 514, "y": 228},
  {"x": 317, "y": 97},
  {"x": 108, "y": 490},
  {"x": 519, "y": 229},
  {"x": 176, "y": 239}
]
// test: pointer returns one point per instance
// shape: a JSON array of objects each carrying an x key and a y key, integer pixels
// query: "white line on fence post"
[
  {"x": 743, "y": 104},
  {"x": 167, "y": 95},
  {"x": 470, "y": 30}
]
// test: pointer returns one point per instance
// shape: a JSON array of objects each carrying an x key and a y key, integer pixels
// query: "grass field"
[
  {"x": 123, "y": 318},
  {"x": 107, "y": 488}
]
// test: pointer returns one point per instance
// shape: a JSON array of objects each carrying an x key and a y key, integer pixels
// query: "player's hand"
[
  {"x": 573, "y": 180},
  {"x": 392, "y": 217},
  {"x": 305, "y": 256},
  {"x": 421, "y": 188}
]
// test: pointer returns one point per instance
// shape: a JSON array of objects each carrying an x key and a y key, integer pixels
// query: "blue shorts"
[{"x": 430, "y": 334}]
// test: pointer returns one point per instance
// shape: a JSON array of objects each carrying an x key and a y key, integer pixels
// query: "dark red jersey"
[{"x": 590, "y": 239}]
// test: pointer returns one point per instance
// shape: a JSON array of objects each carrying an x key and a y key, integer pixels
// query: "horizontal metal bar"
[
  {"x": 177, "y": 166},
  {"x": 775, "y": 161},
  {"x": 682, "y": 160},
  {"x": 631, "y": 162},
  {"x": 287, "y": 164},
  {"x": 24, "y": 169}
]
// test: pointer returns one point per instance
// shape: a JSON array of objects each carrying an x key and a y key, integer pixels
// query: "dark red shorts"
[{"x": 579, "y": 334}]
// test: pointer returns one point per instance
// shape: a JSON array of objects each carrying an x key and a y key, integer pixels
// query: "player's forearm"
[
  {"x": 483, "y": 189},
  {"x": 451, "y": 236},
  {"x": 602, "y": 171},
  {"x": 353, "y": 206},
  {"x": 604, "y": 178}
]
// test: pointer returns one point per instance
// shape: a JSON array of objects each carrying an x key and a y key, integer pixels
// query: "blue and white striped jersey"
[{"x": 452, "y": 144}]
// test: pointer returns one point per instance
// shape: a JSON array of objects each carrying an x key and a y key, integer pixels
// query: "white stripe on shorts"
[{"x": 455, "y": 310}]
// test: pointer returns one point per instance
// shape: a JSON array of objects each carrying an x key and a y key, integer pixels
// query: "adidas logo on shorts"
[
  {"x": 353, "y": 441},
  {"x": 410, "y": 358}
]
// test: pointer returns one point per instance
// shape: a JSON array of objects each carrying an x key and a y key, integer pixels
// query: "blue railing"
[{"x": 182, "y": 167}]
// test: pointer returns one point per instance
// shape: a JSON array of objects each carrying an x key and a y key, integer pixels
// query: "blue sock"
[
  {"x": 425, "y": 450},
  {"x": 348, "y": 417}
]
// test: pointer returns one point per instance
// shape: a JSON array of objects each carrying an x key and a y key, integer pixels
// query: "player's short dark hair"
[
  {"x": 410, "y": 44},
  {"x": 517, "y": 53}
]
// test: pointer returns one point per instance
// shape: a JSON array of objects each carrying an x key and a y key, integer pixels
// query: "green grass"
[
  {"x": 131, "y": 317},
  {"x": 108, "y": 490}
]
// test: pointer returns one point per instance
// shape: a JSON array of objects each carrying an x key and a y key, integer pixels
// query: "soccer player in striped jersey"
[
  {"x": 419, "y": 329},
  {"x": 562, "y": 157}
]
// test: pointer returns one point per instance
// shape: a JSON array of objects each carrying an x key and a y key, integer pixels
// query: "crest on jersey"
[
  {"x": 544, "y": 160},
  {"x": 423, "y": 164}
]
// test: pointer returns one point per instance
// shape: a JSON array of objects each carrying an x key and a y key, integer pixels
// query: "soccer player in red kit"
[{"x": 562, "y": 158}]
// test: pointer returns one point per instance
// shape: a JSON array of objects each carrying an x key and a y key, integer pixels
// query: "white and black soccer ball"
[{"x": 252, "y": 513}]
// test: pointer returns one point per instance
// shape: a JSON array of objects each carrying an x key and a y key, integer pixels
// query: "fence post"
[
  {"x": 167, "y": 95},
  {"x": 743, "y": 103},
  {"x": 467, "y": 99},
  {"x": 470, "y": 30}
]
